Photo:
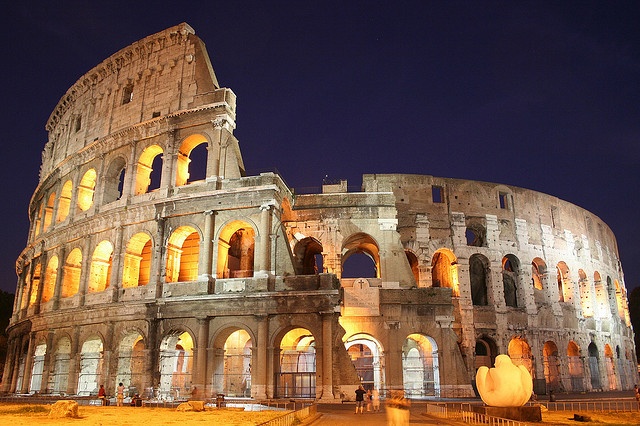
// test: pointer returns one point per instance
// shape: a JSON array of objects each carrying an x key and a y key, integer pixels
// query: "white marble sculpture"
[{"x": 505, "y": 385}]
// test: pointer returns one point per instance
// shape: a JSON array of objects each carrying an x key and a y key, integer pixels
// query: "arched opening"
[
  {"x": 551, "y": 363},
  {"x": 237, "y": 364},
  {"x": 602, "y": 300},
  {"x": 86, "y": 190},
  {"x": 594, "y": 367},
  {"x": 586, "y": 300},
  {"x": 114, "y": 180},
  {"x": 100, "y": 272},
  {"x": 37, "y": 220},
  {"x": 191, "y": 164},
  {"x": 444, "y": 271},
  {"x": 476, "y": 235},
  {"x": 71, "y": 275},
  {"x": 485, "y": 352},
  {"x": 183, "y": 251},
  {"x": 420, "y": 372},
  {"x": 236, "y": 245},
  {"x": 297, "y": 369},
  {"x": 90, "y": 366},
  {"x": 131, "y": 364},
  {"x": 137, "y": 261},
  {"x": 37, "y": 368},
  {"x": 35, "y": 284},
  {"x": 611, "y": 367},
  {"x": 413, "y": 264},
  {"x": 510, "y": 279},
  {"x": 479, "y": 274},
  {"x": 538, "y": 271},
  {"x": 48, "y": 211},
  {"x": 576, "y": 368},
  {"x": 367, "y": 359},
  {"x": 176, "y": 364},
  {"x": 562, "y": 275},
  {"x": 64, "y": 203},
  {"x": 360, "y": 257},
  {"x": 520, "y": 353},
  {"x": 308, "y": 256},
  {"x": 620, "y": 301},
  {"x": 58, "y": 379},
  {"x": 149, "y": 169},
  {"x": 50, "y": 277}
]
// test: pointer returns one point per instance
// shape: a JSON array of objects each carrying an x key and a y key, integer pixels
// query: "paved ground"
[{"x": 344, "y": 414}]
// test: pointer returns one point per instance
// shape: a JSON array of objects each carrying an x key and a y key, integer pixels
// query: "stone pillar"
[
  {"x": 108, "y": 351},
  {"x": 327, "y": 356},
  {"x": 58, "y": 288},
  {"x": 43, "y": 272},
  {"x": 85, "y": 272},
  {"x": 44, "y": 388},
  {"x": 16, "y": 364},
  {"x": 17, "y": 300},
  {"x": 206, "y": 272},
  {"x": 74, "y": 362},
  {"x": 393, "y": 356},
  {"x": 152, "y": 355},
  {"x": 264, "y": 257},
  {"x": 157, "y": 267},
  {"x": 115, "y": 280},
  {"x": 260, "y": 365},
  {"x": 169, "y": 158},
  {"x": 28, "y": 364},
  {"x": 200, "y": 364}
]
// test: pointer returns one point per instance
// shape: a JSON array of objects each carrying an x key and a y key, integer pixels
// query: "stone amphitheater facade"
[{"x": 143, "y": 270}]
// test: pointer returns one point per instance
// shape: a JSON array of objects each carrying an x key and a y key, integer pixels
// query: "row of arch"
[{"x": 191, "y": 165}]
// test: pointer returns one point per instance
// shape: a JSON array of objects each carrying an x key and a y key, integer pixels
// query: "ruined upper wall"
[{"x": 164, "y": 73}]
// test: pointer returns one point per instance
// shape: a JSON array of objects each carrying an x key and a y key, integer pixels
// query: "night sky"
[{"x": 540, "y": 95}]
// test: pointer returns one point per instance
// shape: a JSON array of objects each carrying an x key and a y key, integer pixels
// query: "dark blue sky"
[{"x": 541, "y": 95}]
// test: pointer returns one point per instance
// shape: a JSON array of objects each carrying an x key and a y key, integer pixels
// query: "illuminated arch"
[
  {"x": 479, "y": 278},
  {"x": 562, "y": 275},
  {"x": 486, "y": 351},
  {"x": 183, "y": 251},
  {"x": 414, "y": 265},
  {"x": 131, "y": 362},
  {"x": 114, "y": 180},
  {"x": 64, "y": 203},
  {"x": 35, "y": 283},
  {"x": 308, "y": 255},
  {"x": 420, "y": 367},
  {"x": 538, "y": 272},
  {"x": 50, "y": 277},
  {"x": 576, "y": 367},
  {"x": 510, "y": 279},
  {"x": 91, "y": 359},
  {"x": 186, "y": 154},
  {"x": 594, "y": 366},
  {"x": 147, "y": 163},
  {"x": 71, "y": 275},
  {"x": 176, "y": 365},
  {"x": 366, "y": 354},
  {"x": 551, "y": 362},
  {"x": 137, "y": 261},
  {"x": 363, "y": 246},
  {"x": 37, "y": 368},
  {"x": 100, "y": 272},
  {"x": 59, "y": 376},
  {"x": 297, "y": 365},
  {"x": 444, "y": 270},
  {"x": 236, "y": 244},
  {"x": 86, "y": 189},
  {"x": 48, "y": 211},
  {"x": 520, "y": 353}
]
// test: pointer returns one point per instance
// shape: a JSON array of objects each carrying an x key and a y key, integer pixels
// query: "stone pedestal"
[{"x": 522, "y": 414}]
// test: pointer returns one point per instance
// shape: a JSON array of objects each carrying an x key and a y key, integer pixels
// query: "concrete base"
[{"x": 522, "y": 414}]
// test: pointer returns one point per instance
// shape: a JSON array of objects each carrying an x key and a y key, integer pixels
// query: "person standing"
[
  {"x": 375, "y": 399},
  {"x": 360, "y": 399},
  {"x": 120, "y": 395},
  {"x": 637, "y": 394},
  {"x": 102, "y": 394}
]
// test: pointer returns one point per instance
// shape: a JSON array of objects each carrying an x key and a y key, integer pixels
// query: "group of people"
[
  {"x": 369, "y": 398},
  {"x": 102, "y": 394}
]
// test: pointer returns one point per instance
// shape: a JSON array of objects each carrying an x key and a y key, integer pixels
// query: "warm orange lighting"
[
  {"x": 64, "y": 203},
  {"x": 86, "y": 190},
  {"x": 183, "y": 160},
  {"x": 183, "y": 251},
  {"x": 143, "y": 172}
]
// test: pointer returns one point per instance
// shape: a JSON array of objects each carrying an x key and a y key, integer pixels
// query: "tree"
[{"x": 634, "y": 314}]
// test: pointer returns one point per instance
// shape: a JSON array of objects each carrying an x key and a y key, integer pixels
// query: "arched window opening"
[
  {"x": 37, "y": 220},
  {"x": 551, "y": 363},
  {"x": 510, "y": 279},
  {"x": 444, "y": 271},
  {"x": 59, "y": 377},
  {"x": 176, "y": 366},
  {"x": 64, "y": 203},
  {"x": 586, "y": 299},
  {"x": 520, "y": 353},
  {"x": 366, "y": 356},
  {"x": 360, "y": 257},
  {"x": 137, "y": 261},
  {"x": 86, "y": 190},
  {"x": 236, "y": 245},
  {"x": 100, "y": 272},
  {"x": 476, "y": 235},
  {"x": 538, "y": 270},
  {"x": 183, "y": 251},
  {"x": 149, "y": 170},
  {"x": 297, "y": 369},
  {"x": 420, "y": 372},
  {"x": 611, "y": 367},
  {"x": 192, "y": 160},
  {"x": 594, "y": 367},
  {"x": 48, "y": 211},
  {"x": 114, "y": 180},
  {"x": 71, "y": 275},
  {"x": 576, "y": 368},
  {"x": 237, "y": 364},
  {"x": 34, "y": 284},
  {"x": 620, "y": 300},
  {"x": 478, "y": 276},
  {"x": 308, "y": 256},
  {"x": 50, "y": 277},
  {"x": 562, "y": 276},
  {"x": 413, "y": 264},
  {"x": 485, "y": 352},
  {"x": 131, "y": 363},
  {"x": 37, "y": 368},
  {"x": 90, "y": 366}
]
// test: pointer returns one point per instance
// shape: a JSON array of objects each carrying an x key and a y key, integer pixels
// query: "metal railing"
[
  {"x": 478, "y": 418},
  {"x": 293, "y": 417},
  {"x": 594, "y": 405}
]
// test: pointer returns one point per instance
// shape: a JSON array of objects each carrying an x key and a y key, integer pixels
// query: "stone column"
[
  {"x": 169, "y": 158},
  {"x": 259, "y": 367},
  {"x": 393, "y": 356},
  {"x": 157, "y": 267},
  {"x": 43, "y": 272},
  {"x": 152, "y": 355},
  {"x": 200, "y": 364},
  {"x": 44, "y": 388},
  {"x": 28, "y": 364},
  {"x": 115, "y": 280},
  {"x": 17, "y": 300},
  {"x": 85, "y": 272},
  {"x": 206, "y": 272},
  {"x": 58, "y": 288},
  {"x": 327, "y": 356},
  {"x": 74, "y": 362},
  {"x": 264, "y": 258},
  {"x": 16, "y": 364},
  {"x": 108, "y": 350}
]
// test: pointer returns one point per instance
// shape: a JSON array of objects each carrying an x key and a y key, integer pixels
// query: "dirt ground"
[
  {"x": 28, "y": 415},
  {"x": 561, "y": 418}
]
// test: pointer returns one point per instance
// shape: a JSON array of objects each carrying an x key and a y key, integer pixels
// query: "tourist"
[
  {"x": 368, "y": 397},
  {"x": 120, "y": 395},
  {"x": 360, "y": 399},
  {"x": 375, "y": 399},
  {"x": 102, "y": 394},
  {"x": 636, "y": 391}
]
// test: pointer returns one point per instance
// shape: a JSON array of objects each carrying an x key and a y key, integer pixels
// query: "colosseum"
[{"x": 154, "y": 260}]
